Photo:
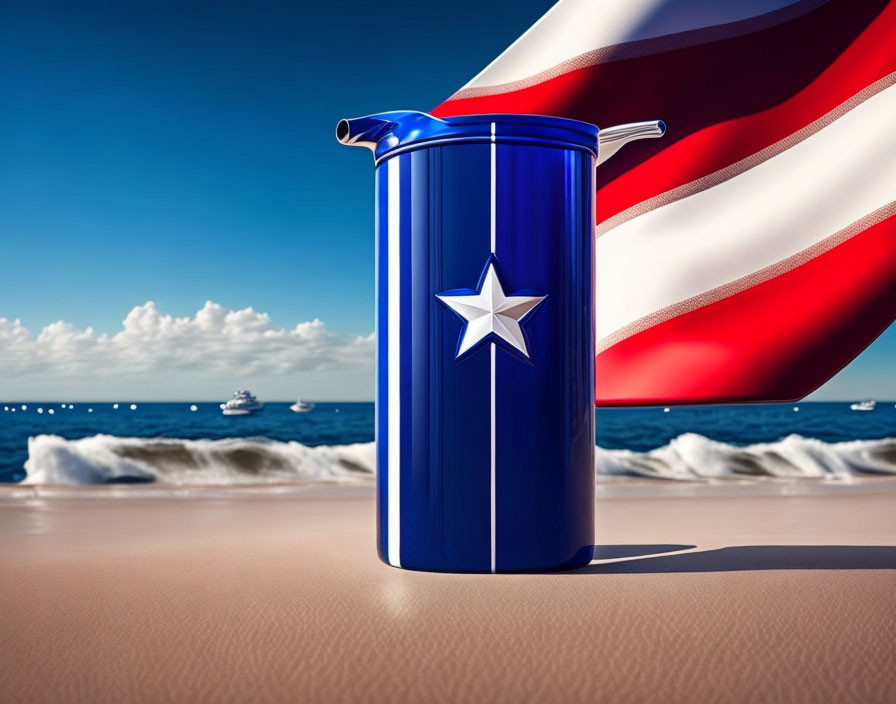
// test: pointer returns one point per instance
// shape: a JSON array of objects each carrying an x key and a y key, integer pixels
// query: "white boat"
[
  {"x": 868, "y": 405},
  {"x": 243, "y": 403},
  {"x": 301, "y": 406}
]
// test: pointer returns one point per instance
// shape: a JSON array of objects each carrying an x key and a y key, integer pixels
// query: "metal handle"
[{"x": 612, "y": 139}]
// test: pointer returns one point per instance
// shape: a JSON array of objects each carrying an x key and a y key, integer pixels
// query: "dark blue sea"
[{"x": 95, "y": 443}]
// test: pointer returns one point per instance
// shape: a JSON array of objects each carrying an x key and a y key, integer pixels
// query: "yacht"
[
  {"x": 243, "y": 403},
  {"x": 301, "y": 406},
  {"x": 863, "y": 406}
]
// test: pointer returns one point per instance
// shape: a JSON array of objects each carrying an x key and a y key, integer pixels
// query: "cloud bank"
[{"x": 156, "y": 355}]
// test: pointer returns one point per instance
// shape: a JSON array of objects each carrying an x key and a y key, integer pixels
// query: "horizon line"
[{"x": 292, "y": 400}]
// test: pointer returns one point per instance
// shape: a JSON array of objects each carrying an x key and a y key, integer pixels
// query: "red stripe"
[
  {"x": 644, "y": 47},
  {"x": 871, "y": 57},
  {"x": 695, "y": 87},
  {"x": 778, "y": 340}
]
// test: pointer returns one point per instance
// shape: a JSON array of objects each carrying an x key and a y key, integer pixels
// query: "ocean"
[{"x": 185, "y": 444}]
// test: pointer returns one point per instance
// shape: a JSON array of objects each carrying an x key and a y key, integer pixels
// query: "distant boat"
[
  {"x": 243, "y": 403},
  {"x": 301, "y": 406},
  {"x": 868, "y": 405}
]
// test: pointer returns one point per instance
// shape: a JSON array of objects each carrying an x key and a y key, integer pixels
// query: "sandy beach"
[{"x": 699, "y": 595}]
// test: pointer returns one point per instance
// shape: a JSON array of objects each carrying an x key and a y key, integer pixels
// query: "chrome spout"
[
  {"x": 362, "y": 131},
  {"x": 612, "y": 139},
  {"x": 384, "y": 132}
]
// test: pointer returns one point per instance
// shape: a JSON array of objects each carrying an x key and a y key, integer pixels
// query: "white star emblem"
[{"x": 488, "y": 312}]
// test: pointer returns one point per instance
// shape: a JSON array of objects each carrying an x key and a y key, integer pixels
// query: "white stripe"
[
  {"x": 492, "y": 185},
  {"x": 377, "y": 328},
  {"x": 758, "y": 218},
  {"x": 393, "y": 341},
  {"x": 492, "y": 196},
  {"x": 492, "y": 491},
  {"x": 574, "y": 27}
]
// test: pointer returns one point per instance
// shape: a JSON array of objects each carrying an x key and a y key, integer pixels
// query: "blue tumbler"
[{"x": 485, "y": 337}]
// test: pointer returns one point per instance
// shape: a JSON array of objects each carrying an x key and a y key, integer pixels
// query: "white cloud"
[{"x": 156, "y": 354}]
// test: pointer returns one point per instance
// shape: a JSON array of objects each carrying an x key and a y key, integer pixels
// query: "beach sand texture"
[{"x": 273, "y": 597}]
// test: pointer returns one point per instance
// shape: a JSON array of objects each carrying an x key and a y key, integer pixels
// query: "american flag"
[{"x": 751, "y": 253}]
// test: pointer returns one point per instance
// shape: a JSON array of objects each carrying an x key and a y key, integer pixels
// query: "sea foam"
[
  {"x": 107, "y": 459},
  {"x": 693, "y": 456}
]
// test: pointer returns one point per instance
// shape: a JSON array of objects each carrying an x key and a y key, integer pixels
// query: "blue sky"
[{"x": 181, "y": 152}]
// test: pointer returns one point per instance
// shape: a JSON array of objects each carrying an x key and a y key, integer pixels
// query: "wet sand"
[{"x": 280, "y": 597}]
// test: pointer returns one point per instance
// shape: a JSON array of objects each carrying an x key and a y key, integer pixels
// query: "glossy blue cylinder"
[{"x": 485, "y": 353}]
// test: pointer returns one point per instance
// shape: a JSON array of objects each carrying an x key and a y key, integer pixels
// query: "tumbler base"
[{"x": 582, "y": 557}]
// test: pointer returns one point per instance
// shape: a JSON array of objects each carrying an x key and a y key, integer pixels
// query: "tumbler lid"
[{"x": 390, "y": 133}]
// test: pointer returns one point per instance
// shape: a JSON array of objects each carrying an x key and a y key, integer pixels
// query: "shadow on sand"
[
  {"x": 613, "y": 552},
  {"x": 747, "y": 557}
]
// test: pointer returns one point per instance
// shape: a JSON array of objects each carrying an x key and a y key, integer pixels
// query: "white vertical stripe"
[
  {"x": 492, "y": 186},
  {"x": 492, "y": 345},
  {"x": 493, "y": 456},
  {"x": 377, "y": 329},
  {"x": 393, "y": 338}
]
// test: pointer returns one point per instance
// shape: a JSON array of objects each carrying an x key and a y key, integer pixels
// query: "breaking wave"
[
  {"x": 107, "y": 459},
  {"x": 693, "y": 456}
]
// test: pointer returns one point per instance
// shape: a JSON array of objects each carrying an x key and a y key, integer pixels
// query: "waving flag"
[{"x": 751, "y": 253}]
